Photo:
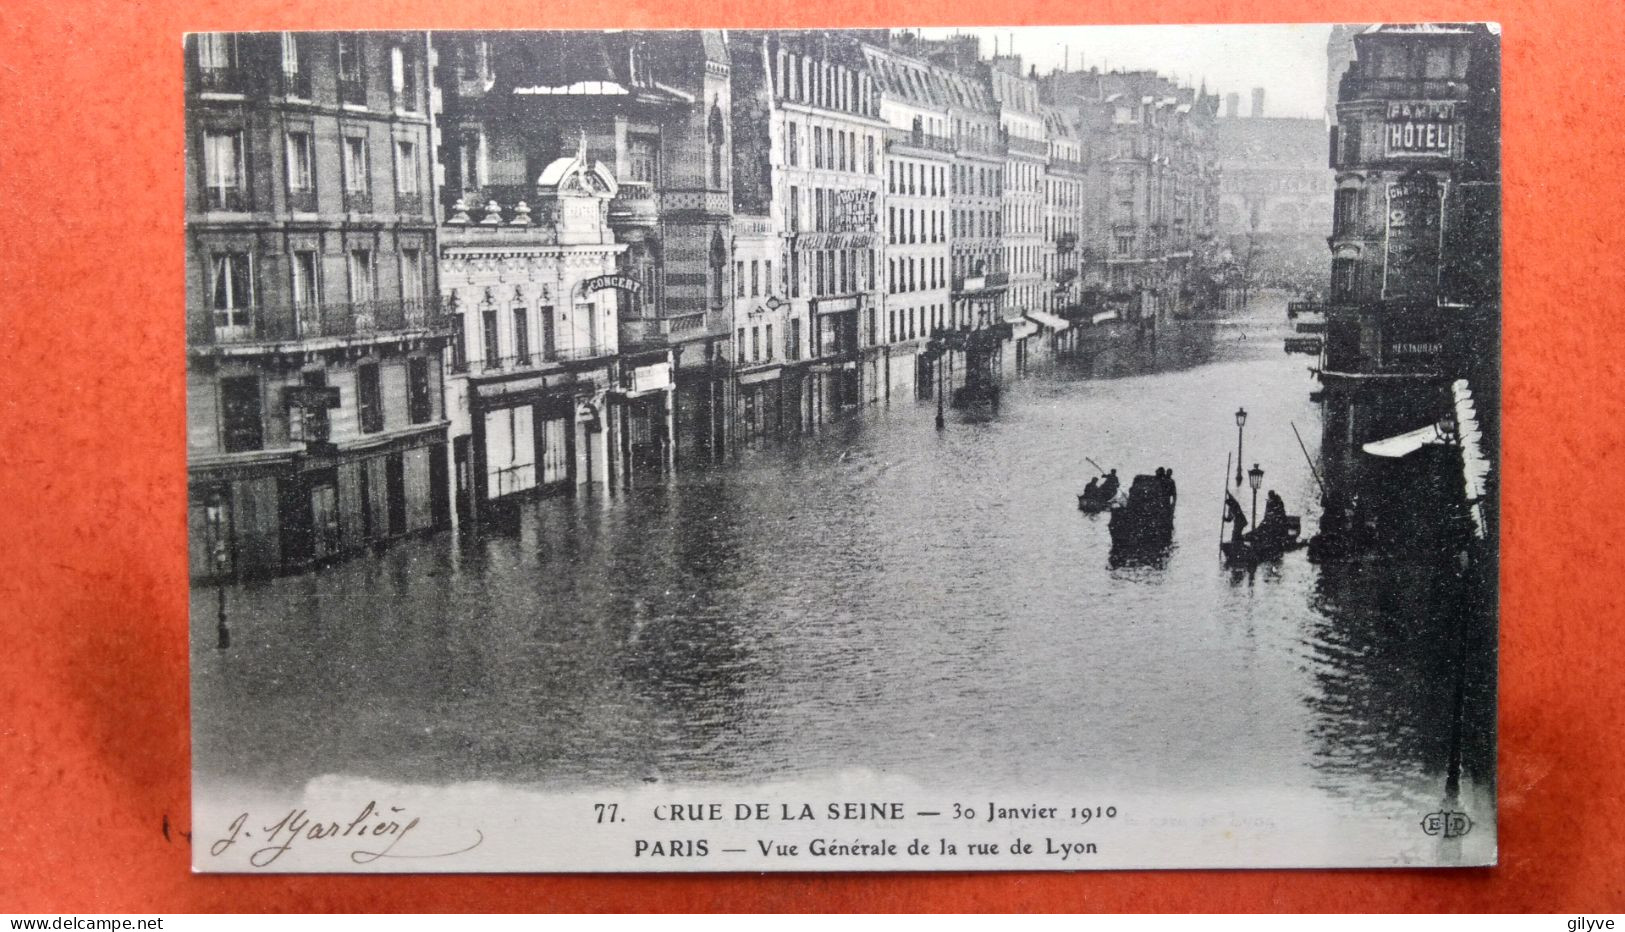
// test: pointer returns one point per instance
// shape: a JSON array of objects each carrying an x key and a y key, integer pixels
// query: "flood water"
[{"x": 888, "y": 597}]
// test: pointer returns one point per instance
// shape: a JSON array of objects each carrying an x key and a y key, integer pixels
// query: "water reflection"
[{"x": 886, "y": 596}]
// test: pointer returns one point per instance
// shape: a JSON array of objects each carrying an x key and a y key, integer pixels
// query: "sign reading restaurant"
[{"x": 1420, "y": 127}]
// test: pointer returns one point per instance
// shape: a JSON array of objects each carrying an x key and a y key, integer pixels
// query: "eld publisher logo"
[{"x": 1446, "y": 823}]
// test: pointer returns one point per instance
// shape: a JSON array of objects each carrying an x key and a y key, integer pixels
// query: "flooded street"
[{"x": 887, "y": 597}]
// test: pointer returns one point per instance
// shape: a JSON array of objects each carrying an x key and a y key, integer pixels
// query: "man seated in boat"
[
  {"x": 1272, "y": 532},
  {"x": 1091, "y": 492},
  {"x": 1108, "y": 488}
]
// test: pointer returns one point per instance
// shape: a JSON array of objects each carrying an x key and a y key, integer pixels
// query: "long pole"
[
  {"x": 1224, "y": 492},
  {"x": 1239, "y": 428},
  {"x": 1311, "y": 462},
  {"x": 1103, "y": 472}
]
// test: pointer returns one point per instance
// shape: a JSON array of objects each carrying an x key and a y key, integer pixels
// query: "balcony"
[
  {"x": 919, "y": 139},
  {"x": 302, "y": 200},
  {"x": 1066, "y": 242},
  {"x": 634, "y": 206},
  {"x": 221, "y": 80},
  {"x": 540, "y": 359},
  {"x": 656, "y": 331},
  {"x": 294, "y": 85},
  {"x": 231, "y": 199},
  {"x": 358, "y": 202},
  {"x": 353, "y": 89},
  {"x": 1028, "y": 146},
  {"x": 270, "y": 324}
]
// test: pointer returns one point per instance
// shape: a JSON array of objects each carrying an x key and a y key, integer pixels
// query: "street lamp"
[
  {"x": 1255, "y": 478},
  {"x": 215, "y": 513},
  {"x": 1241, "y": 421}
]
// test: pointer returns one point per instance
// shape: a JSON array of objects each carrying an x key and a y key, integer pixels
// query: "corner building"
[{"x": 315, "y": 425}]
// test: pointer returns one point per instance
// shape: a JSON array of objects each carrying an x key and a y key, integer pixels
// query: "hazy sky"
[{"x": 1289, "y": 62}]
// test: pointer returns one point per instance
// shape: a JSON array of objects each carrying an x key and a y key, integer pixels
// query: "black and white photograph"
[{"x": 914, "y": 449}]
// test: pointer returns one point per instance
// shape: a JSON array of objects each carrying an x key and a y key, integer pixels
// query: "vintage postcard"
[{"x": 713, "y": 450}]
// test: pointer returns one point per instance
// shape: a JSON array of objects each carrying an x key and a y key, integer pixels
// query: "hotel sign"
[
  {"x": 855, "y": 211},
  {"x": 1420, "y": 128}
]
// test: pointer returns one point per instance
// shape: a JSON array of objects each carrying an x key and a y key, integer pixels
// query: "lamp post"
[
  {"x": 941, "y": 358},
  {"x": 216, "y": 515},
  {"x": 1255, "y": 478},
  {"x": 1241, "y": 421}
]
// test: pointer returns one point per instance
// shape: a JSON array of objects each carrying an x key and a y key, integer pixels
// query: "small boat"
[
  {"x": 1254, "y": 548},
  {"x": 1146, "y": 520},
  {"x": 1095, "y": 503}
]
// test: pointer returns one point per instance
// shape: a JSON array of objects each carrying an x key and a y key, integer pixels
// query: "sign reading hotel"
[
  {"x": 855, "y": 211},
  {"x": 1420, "y": 128}
]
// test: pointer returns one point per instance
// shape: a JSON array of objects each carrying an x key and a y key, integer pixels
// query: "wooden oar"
[
  {"x": 1094, "y": 464},
  {"x": 1224, "y": 504}
]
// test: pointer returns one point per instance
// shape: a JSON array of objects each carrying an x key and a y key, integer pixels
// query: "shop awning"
[
  {"x": 1404, "y": 444},
  {"x": 1103, "y": 316},
  {"x": 1475, "y": 463},
  {"x": 1021, "y": 328},
  {"x": 1049, "y": 320}
]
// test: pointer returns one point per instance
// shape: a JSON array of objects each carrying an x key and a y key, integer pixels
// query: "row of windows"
[
  {"x": 906, "y": 225},
  {"x": 1021, "y": 218},
  {"x": 225, "y": 168},
  {"x": 920, "y": 274},
  {"x": 233, "y": 295},
  {"x": 222, "y": 58},
  {"x": 978, "y": 181},
  {"x": 761, "y": 346},
  {"x": 833, "y": 87},
  {"x": 836, "y": 272},
  {"x": 835, "y": 149},
  {"x": 760, "y": 280},
  {"x": 1021, "y": 259},
  {"x": 242, "y": 408},
  {"x": 916, "y": 178},
  {"x": 917, "y": 321},
  {"x": 977, "y": 224}
]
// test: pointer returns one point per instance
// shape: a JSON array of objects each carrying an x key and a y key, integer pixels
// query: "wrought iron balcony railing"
[
  {"x": 534, "y": 360},
  {"x": 220, "y": 80},
  {"x": 352, "y": 89},
  {"x": 284, "y": 323},
  {"x": 294, "y": 84}
]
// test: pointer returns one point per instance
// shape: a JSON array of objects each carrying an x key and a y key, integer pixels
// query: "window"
[
  {"x": 1345, "y": 210},
  {"x": 355, "y": 165},
  {"x": 492, "y": 340},
  {"x": 216, "y": 51},
  {"x": 370, "y": 404},
  {"x": 767, "y": 276},
  {"x": 818, "y": 147},
  {"x": 240, "y": 413},
  {"x": 301, "y": 163},
  {"x": 739, "y": 278},
  {"x": 470, "y": 159},
  {"x": 419, "y": 400},
  {"x": 403, "y": 78},
  {"x": 295, "y": 77},
  {"x": 223, "y": 170},
  {"x": 869, "y": 154},
  {"x": 755, "y": 282},
  {"x": 361, "y": 276},
  {"x": 1343, "y": 279},
  {"x": 768, "y": 339},
  {"x": 352, "y": 76},
  {"x": 643, "y": 157},
  {"x": 755, "y": 344},
  {"x": 795, "y": 273},
  {"x": 521, "y": 335},
  {"x": 406, "y": 167},
  {"x": 233, "y": 291},
  {"x": 739, "y": 341},
  {"x": 306, "y": 286},
  {"x": 792, "y": 143},
  {"x": 794, "y": 350},
  {"x": 795, "y": 209},
  {"x": 411, "y": 275}
]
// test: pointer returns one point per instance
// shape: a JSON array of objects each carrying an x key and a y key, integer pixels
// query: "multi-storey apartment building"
[
  {"x": 919, "y": 165},
  {"x": 315, "y": 425},
  {"x": 827, "y": 186},
  {"x": 1414, "y": 292},
  {"x": 1064, "y": 181},
  {"x": 1025, "y": 168},
  {"x": 654, "y": 108}
]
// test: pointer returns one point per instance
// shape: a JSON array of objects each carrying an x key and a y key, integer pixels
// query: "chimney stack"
[
  {"x": 1232, "y": 105},
  {"x": 1258, "y": 102}
]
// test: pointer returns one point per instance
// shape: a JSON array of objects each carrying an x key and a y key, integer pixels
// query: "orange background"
[{"x": 93, "y": 665}]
